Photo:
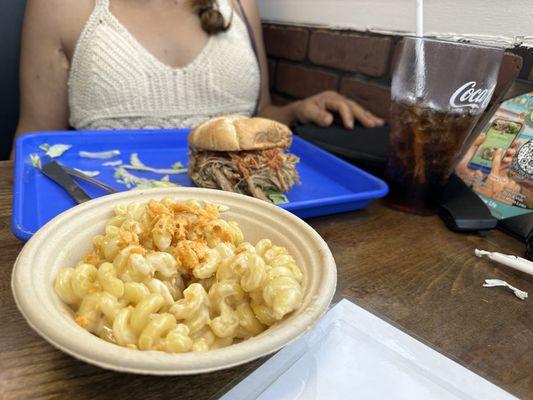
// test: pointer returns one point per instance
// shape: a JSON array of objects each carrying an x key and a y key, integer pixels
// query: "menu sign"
[{"x": 499, "y": 165}]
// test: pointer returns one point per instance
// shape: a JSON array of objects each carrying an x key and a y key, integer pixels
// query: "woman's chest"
[
  {"x": 170, "y": 31},
  {"x": 112, "y": 68}
]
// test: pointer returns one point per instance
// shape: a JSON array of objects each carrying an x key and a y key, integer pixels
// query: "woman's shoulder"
[
  {"x": 58, "y": 10},
  {"x": 60, "y": 20}
]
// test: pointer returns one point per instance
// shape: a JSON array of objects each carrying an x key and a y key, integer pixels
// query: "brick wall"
[{"x": 303, "y": 61}]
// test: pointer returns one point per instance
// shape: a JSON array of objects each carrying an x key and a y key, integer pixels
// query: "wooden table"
[{"x": 409, "y": 270}]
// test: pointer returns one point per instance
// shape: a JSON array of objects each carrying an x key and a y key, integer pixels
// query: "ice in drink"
[{"x": 424, "y": 147}]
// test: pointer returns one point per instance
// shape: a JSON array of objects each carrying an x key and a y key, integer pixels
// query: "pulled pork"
[{"x": 247, "y": 172}]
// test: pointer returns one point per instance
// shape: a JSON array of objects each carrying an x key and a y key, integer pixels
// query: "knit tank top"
[{"x": 115, "y": 83}]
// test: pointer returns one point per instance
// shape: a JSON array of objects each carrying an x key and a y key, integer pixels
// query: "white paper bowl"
[{"x": 63, "y": 241}]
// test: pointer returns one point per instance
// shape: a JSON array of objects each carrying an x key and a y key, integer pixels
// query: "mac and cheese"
[{"x": 175, "y": 277}]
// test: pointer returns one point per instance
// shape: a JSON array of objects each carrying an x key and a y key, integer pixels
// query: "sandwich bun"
[{"x": 239, "y": 133}]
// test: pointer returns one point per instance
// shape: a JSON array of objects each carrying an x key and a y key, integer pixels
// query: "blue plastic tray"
[{"x": 329, "y": 184}]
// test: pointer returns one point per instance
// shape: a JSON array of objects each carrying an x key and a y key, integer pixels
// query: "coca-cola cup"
[{"x": 439, "y": 91}]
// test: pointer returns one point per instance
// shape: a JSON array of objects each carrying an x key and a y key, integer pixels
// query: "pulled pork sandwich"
[{"x": 243, "y": 155}]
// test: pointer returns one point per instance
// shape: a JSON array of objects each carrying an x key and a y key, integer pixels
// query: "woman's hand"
[
  {"x": 498, "y": 185},
  {"x": 462, "y": 169},
  {"x": 318, "y": 109},
  {"x": 466, "y": 173}
]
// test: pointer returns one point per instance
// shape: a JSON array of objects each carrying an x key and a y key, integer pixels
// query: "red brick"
[
  {"x": 350, "y": 51},
  {"x": 372, "y": 96},
  {"x": 271, "y": 72},
  {"x": 278, "y": 100},
  {"x": 394, "y": 58},
  {"x": 299, "y": 81},
  {"x": 285, "y": 41}
]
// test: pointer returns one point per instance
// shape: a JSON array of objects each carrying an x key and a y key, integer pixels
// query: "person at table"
[{"x": 114, "y": 64}]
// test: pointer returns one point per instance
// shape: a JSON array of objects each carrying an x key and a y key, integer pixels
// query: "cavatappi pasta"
[{"x": 175, "y": 277}]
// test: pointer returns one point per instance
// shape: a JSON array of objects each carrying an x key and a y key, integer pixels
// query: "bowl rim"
[{"x": 212, "y": 360}]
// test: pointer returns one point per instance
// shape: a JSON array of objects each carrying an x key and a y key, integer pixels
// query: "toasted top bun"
[{"x": 238, "y": 133}]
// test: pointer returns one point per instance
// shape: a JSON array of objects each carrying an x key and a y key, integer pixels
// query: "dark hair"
[{"x": 210, "y": 16}]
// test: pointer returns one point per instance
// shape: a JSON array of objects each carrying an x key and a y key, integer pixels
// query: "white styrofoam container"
[
  {"x": 353, "y": 354},
  {"x": 64, "y": 240}
]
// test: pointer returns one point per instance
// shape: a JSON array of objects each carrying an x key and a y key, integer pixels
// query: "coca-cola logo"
[{"x": 468, "y": 96}]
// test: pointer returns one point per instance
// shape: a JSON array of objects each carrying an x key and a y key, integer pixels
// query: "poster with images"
[{"x": 499, "y": 164}]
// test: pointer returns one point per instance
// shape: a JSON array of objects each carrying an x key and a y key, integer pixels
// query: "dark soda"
[{"x": 424, "y": 146}]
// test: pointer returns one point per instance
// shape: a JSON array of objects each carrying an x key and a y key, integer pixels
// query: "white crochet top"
[{"x": 115, "y": 83}]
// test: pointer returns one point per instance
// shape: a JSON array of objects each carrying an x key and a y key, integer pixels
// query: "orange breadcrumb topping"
[
  {"x": 91, "y": 258},
  {"x": 138, "y": 250},
  {"x": 82, "y": 321},
  {"x": 212, "y": 211},
  {"x": 222, "y": 233},
  {"x": 189, "y": 253},
  {"x": 127, "y": 238},
  {"x": 188, "y": 208},
  {"x": 156, "y": 208}
]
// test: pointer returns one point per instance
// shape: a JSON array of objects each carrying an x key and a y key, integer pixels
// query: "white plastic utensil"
[
  {"x": 499, "y": 283},
  {"x": 515, "y": 262}
]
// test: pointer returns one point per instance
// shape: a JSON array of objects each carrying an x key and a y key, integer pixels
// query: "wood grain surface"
[{"x": 409, "y": 270}]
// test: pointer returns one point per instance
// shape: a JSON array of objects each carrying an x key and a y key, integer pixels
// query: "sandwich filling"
[{"x": 247, "y": 172}]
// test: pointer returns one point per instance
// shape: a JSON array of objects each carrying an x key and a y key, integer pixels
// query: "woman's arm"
[
  {"x": 312, "y": 109},
  {"x": 43, "y": 69}
]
